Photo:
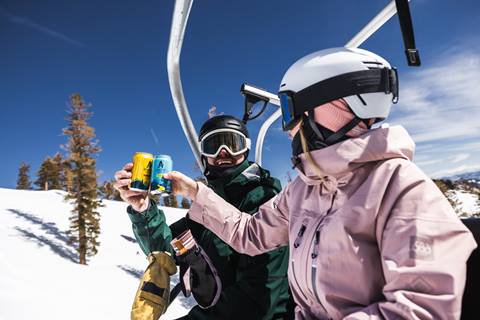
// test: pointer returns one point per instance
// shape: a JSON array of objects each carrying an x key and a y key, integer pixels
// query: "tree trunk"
[
  {"x": 82, "y": 243},
  {"x": 45, "y": 186}
]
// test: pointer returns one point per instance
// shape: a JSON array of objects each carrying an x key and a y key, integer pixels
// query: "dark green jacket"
[{"x": 253, "y": 287}]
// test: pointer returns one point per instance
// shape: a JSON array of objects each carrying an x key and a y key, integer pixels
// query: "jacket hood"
[{"x": 337, "y": 162}]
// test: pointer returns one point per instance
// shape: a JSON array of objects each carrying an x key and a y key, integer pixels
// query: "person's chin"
[{"x": 224, "y": 164}]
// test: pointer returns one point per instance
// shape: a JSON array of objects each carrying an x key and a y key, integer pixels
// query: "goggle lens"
[
  {"x": 286, "y": 104},
  {"x": 234, "y": 142}
]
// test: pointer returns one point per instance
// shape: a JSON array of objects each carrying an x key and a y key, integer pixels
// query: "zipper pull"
[
  {"x": 297, "y": 242},
  {"x": 315, "y": 244}
]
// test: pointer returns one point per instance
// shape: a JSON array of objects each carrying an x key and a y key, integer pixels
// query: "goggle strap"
[
  {"x": 344, "y": 85},
  {"x": 222, "y": 130}
]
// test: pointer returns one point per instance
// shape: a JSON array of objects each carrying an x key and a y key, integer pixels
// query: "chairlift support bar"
[
  {"x": 265, "y": 95},
  {"x": 379, "y": 20},
  {"x": 181, "y": 12}
]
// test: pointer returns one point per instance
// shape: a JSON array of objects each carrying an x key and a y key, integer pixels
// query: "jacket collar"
[
  {"x": 231, "y": 176},
  {"x": 338, "y": 162}
]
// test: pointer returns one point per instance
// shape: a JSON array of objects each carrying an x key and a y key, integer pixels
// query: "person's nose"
[{"x": 223, "y": 153}]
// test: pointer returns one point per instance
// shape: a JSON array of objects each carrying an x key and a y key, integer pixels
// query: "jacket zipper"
[
  {"x": 298, "y": 240},
  {"x": 314, "y": 254},
  {"x": 314, "y": 266},
  {"x": 296, "y": 244},
  {"x": 299, "y": 288}
]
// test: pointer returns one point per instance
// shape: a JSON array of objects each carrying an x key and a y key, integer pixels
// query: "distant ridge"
[{"x": 474, "y": 175}]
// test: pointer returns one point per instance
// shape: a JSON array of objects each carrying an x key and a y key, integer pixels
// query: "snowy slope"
[
  {"x": 39, "y": 276},
  {"x": 467, "y": 203}
]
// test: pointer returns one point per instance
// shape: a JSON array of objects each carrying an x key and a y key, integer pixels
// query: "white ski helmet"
[{"x": 363, "y": 79}]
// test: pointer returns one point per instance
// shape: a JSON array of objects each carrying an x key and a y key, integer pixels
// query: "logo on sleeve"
[{"x": 421, "y": 248}]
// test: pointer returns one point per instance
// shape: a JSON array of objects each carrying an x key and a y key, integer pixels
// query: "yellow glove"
[{"x": 152, "y": 296}]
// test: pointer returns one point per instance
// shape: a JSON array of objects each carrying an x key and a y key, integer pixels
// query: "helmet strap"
[
  {"x": 308, "y": 155},
  {"x": 335, "y": 136},
  {"x": 341, "y": 134}
]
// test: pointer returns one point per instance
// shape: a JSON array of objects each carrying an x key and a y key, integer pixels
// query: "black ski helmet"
[{"x": 222, "y": 122}]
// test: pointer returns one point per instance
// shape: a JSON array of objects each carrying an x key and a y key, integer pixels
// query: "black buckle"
[
  {"x": 250, "y": 101},
  {"x": 391, "y": 82},
  {"x": 413, "y": 57},
  {"x": 394, "y": 83}
]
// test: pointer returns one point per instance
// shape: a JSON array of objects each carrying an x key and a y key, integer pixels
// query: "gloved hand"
[
  {"x": 152, "y": 296},
  {"x": 203, "y": 280}
]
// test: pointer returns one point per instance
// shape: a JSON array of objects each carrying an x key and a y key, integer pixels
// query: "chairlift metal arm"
[{"x": 179, "y": 23}]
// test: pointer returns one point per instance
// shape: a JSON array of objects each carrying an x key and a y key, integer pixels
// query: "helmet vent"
[
  {"x": 372, "y": 64},
  {"x": 361, "y": 100}
]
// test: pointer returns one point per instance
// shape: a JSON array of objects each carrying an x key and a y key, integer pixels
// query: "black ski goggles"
[
  {"x": 233, "y": 141},
  {"x": 295, "y": 104}
]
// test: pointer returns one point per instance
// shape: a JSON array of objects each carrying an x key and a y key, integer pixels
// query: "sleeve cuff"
[
  {"x": 196, "y": 209},
  {"x": 138, "y": 217}
]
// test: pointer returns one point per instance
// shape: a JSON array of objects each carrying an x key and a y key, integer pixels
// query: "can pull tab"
[{"x": 298, "y": 240}]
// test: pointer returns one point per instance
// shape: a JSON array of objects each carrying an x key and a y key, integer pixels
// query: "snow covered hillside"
[
  {"x": 39, "y": 276},
  {"x": 463, "y": 195},
  {"x": 466, "y": 204}
]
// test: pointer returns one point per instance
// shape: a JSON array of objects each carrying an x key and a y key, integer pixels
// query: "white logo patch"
[{"x": 421, "y": 248}]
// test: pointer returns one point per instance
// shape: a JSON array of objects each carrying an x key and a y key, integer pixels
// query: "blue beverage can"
[{"x": 161, "y": 164}]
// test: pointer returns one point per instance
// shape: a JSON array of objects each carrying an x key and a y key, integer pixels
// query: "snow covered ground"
[
  {"x": 468, "y": 203},
  {"x": 39, "y": 276}
]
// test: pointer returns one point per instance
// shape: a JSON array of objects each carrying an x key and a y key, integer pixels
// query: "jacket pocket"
[
  {"x": 296, "y": 256},
  {"x": 314, "y": 256}
]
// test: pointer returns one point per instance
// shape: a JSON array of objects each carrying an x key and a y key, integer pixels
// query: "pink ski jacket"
[{"x": 376, "y": 240}]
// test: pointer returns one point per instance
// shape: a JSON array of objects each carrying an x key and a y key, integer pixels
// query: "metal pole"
[
  {"x": 374, "y": 24},
  {"x": 261, "y": 135},
  {"x": 179, "y": 23}
]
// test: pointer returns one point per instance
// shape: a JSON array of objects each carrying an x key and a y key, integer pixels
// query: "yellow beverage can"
[{"x": 141, "y": 172}]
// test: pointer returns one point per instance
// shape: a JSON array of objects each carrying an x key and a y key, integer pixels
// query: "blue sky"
[{"x": 114, "y": 54}]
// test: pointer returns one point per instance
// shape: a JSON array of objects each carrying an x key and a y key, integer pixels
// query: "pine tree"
[
  {"x": 67, "y": 182},
  {"x": 173, "y": 201},
  {"x": 185, "y": 203},
  {"x": 170, "y": 201},
  {"x": 166, "y": 201},
  {"x": 108, "y": 192},
  {"x": 57, "y": 172},
  {"x": 23, "y": 181},
  {"x": 50, "y": 173},
  {"x": 82, "y": 147},
  {"x": 43, "y": 174}
]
